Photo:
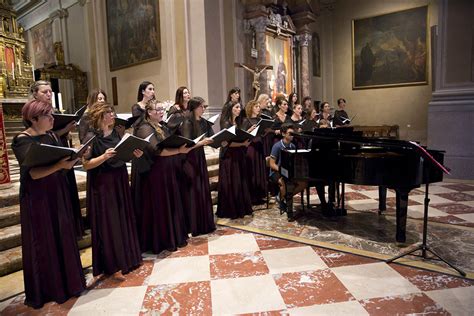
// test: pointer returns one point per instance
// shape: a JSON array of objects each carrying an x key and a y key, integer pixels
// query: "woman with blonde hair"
[{"x": 115, "y": 247}]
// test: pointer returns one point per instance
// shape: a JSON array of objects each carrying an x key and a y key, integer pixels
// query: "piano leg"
[
  {"x": 290, "y": 187},
  {"x": 382, "y": 199},
  {"x": 402, "y": 207}
]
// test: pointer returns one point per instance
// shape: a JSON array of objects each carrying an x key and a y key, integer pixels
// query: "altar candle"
[
  {"x": 53, "y": 101},
  {"x": 60, "y": 101},
  {"x": 13, "y": 71}
]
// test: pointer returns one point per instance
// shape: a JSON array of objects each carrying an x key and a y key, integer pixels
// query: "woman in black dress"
[
  {"x": 234, "y": 196},
  {"x": 281, "y": 116},
  {"x": 256, "y": 169},
  {"x": 115, "y": 247},
  {"x": 197, "y": 194},
  {"x": 180, "y": 110},
  {"x": 161, "y": 222},
  {"x": 96, "y": 95},
  {"x": 51, "y": 264},
  {"x": 41, "y": 90},
  {"x": 267, "y": 110}
]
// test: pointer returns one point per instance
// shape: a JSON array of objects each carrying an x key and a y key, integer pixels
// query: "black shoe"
[{"x": 281, "y": 204}]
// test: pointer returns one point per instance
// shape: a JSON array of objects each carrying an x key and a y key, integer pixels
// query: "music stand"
[{"x": 424, "y": 246}]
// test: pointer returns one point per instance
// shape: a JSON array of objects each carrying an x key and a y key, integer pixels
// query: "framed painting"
[
  {"x": 279, "y": 55},
  {"x": 133, "y": 28},
  {"x": 316, "y": 55},
  {"x": 42, "y": 44},
  {"x": 390, "y": 49}
]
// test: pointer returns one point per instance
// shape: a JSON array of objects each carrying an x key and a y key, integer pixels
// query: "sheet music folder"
[
  {"x": 126, "y": 120},
  {"x": 224, "y": 135},
  {"x": 128, "y": 144},
  {"x": 176, "y": 141},
  {"x": 62, "y": 120},
  {"x": 43, "y": 154},
  {"x": 264, "y": 124}
]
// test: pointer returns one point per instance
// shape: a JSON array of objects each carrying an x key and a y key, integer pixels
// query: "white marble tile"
[
  {"x": 469, "y": 192},
  {"x": 117, "y": 301},
  {"x": 245, "y": 295},
  {"x": 235, "y": 243},
  {"x": 4, "y": 304},
  {"x": 467, "y": 217},
  {"x": 373, "y": 280},
  {"x": 434, "y": 199},
  {"x": 292, "y": 260},
  {"x": 180, "y": 270},
  {"x": 362, "y": 205},
  {"x": 374, "y": 194},
  {"x": 417, "y": 211},
  {"x": 435, "y": 189},
  {"x": 457, "y": 301},
  {"x": 468, "y": 203},
  {"x": 352, "y": 308}
]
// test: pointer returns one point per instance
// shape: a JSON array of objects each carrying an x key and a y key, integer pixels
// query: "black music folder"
[
  {"x": 225, "y": 135},
  {"x": 62, "y": 120},
  {"x": 176, "y": 141},
  {"x": 125, "y": 119},
  {"x": 241, "y": 135},
  {"x": 43, "y": 154},
  {"x": 128, "y": 144},
  {"x": 264, "y": 124}
]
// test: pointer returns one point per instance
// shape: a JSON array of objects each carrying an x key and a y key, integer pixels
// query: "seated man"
[{"x": 275, "y": 161}]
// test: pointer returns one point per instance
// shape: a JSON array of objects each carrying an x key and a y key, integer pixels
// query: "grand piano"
[{"x": 344, "y": 156}]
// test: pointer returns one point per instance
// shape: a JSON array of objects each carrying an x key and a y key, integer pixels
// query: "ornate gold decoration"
[{"x": 16, "y": 71}]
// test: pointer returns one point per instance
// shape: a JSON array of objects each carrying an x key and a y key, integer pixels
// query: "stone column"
[
  {"x": 304, "y": 40},
  {"x": 451, "y": 109}
]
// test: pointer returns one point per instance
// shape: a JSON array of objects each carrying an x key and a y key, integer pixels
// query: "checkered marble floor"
[{"x": 237, "y": 272}]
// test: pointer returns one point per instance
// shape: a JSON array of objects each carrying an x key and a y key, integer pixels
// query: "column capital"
[{"x": 303, "y": 39}]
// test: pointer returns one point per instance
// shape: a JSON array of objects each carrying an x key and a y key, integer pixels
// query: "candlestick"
[
  {"x": 13, "y": 71},
  {"x": 60, "y": 101}
]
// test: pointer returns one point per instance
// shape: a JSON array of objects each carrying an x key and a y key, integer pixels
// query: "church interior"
[{"x": 404, "y": 70}]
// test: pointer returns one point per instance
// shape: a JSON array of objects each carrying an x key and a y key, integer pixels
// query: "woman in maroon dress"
[
  {"x": 234, "y": 196},
  {"x": 115, "y": 247},
  {"x": 161, "y": 222},
  {"x": 180, "y": 110},
  {"x": 51, "y": 264},
  {"x": 41, "y": 90},
  {"x": 197, "y": 194},
  {"x": 256, "y": 169}
]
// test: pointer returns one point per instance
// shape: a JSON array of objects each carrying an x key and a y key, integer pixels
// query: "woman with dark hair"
[
  {"x": 256, "y": 169},
  {"x": 161, "y": 222},
  {"x": 341, "y": 117},
  {"x": 292, "y": 100},
  {"x": 307, "y": 105},
  {"x": 115, "y": 247},
  {"x": 234, "y": 196},
  {"x": 51, "y": 264},
  {"x": 179, "y": 111},
  {"x": 41, "y": 91},
  {"x": 96, "y": 95},
  {"x": 296, "y": 119},
  {"x": 146, "y": 92},
  {"x": 197, "y": 201},
  {"x": 325, "y": 118},
  {"x": 281, "y": 116}
]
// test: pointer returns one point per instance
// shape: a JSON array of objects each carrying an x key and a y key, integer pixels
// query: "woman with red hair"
[{"x": 51, "y": 264}]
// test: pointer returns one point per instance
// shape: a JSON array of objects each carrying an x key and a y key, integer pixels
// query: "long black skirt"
[
  {"x": 76, "y": 205},
  {"x": 256, "y": 171},
  {"x": 234, "y": 196},
  {"x": 162, "y": 218},
  {"x": 115, "y": 244},
  {"x": 197, "y": 199},
  {"x": 51, "y": 263}
]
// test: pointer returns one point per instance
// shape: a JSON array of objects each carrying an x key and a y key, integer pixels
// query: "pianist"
[{"x": 275, "y": 160}]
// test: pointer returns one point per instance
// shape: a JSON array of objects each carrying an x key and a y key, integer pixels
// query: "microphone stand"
[{"x": 424, "y": 246}]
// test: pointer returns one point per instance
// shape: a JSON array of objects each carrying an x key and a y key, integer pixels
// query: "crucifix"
[{"x": 256, "y": 70}]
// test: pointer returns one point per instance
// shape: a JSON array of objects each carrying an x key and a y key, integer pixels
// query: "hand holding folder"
[
  {"x": 43, "y": 154},
  {"x": 176, "y": 141},
  {"x": 125, "y": 119},
  {"x": 128, "y": 144},
  {"x": 62, "y": 120}
]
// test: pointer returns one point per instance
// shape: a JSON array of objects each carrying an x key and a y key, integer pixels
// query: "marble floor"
[
  {"x": 265, "y": 265},
  {"x": 234, "y": 272}
]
